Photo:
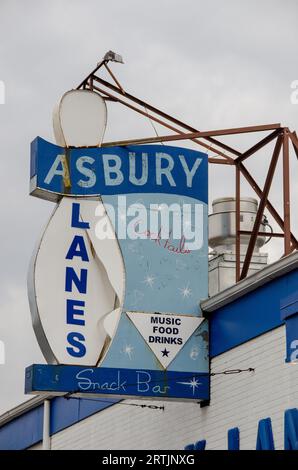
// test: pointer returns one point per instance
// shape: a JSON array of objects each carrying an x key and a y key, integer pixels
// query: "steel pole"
[
  {"x": 46, "y": 438},
  {"x": 237, "y": 223},
  {"x": 286, "y": 193}
]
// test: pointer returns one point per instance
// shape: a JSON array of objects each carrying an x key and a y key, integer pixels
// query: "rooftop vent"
[{"x": 222, "y": 240}]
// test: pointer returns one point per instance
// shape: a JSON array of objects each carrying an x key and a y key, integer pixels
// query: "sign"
[
  {"x": 124, "y": 383},
  {"x": 57, "y": 171},
  {"x": 116, "y": 279},
  {"x": 165, "y": 334}
]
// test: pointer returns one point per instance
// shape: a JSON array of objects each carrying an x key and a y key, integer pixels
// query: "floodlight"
[{"x": 110, "y": 55}]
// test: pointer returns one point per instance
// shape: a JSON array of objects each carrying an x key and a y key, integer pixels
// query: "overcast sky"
[{"x": 214, "y": 64}]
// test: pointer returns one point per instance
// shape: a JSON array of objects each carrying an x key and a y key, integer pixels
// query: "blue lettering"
[
  {"x": 291, "y": 429},
  {"x": 72, "y": 277},
  {"x": 200, "y": 445},
  {"x": 71, "y": 311},
  {"x": 75, "y": 340},
  {"x": 75, "y": 217},
  {"x": 233, "y": 439},
  {"x": 79, "y": 242},
  {"x": 265, "y": 435},
  {"x": 265, "y": 440}
]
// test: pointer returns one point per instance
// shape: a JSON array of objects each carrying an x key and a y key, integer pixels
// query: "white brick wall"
[{"x": 236, "y": 400}]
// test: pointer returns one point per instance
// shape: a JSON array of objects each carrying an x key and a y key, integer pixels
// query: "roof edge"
[
  {"x": 22, "y": 408},
  {"x": 272, "y": 271}
]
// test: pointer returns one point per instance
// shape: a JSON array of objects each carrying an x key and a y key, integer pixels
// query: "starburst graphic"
[
  {"x": 149, "y": 280},
  {"x": 193, "y": 383},
  {"x": 128, "y": 349},
  {"x": 185, "y": 291}
]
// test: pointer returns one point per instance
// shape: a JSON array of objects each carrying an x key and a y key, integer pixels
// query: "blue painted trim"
[
  {"x": 250, "y": 316},
  {"x": 265, "y": 435},
  {"x": 289, "y": 306},
  {"x": 26, "y": 430},
  {"x": 23, "y": 431},
  {"x": 234, "y": 439},
  {"x": 291, "y": 429},
  {"x": 65, "y": 412}
]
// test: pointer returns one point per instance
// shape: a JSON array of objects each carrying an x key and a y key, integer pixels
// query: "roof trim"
[
  {"x": 272, "y": 271},
  {"x": 23, "y": 407}
]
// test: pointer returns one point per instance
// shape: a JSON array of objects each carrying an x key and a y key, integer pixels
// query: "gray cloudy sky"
[{"x": 214, "y": 64}]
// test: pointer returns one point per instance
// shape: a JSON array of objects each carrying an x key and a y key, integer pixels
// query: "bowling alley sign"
[{"x": 117, "y": 277}]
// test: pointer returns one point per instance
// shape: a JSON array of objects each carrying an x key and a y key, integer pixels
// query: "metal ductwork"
[{"x": 222, "y": 240}]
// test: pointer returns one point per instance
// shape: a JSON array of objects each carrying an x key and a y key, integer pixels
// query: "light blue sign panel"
[
  {"x": 116, "y": 382},
  {"x": 161, "y": 274}
]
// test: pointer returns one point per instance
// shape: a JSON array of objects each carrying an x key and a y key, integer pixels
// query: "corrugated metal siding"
[{"x": 236, "y": 400}]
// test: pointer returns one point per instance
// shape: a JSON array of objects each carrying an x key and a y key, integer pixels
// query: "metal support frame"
[
  {"x": 223, "y": 154},
  {"x": 261, "y": 208}
]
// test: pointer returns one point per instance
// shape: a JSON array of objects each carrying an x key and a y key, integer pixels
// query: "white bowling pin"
[{"x": 79, "y": 120}]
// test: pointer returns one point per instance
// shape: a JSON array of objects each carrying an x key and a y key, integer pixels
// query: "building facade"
[{"x": 254, "y": 385}]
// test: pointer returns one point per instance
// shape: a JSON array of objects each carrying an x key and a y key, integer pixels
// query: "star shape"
[
  {"x": 149, "y": 280},
  {"x": 193, "y": 383},
  {"x": 128, "y": 349},
  {"x": 165, "y": 352},
  {"x": 185, "y": 291}
]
